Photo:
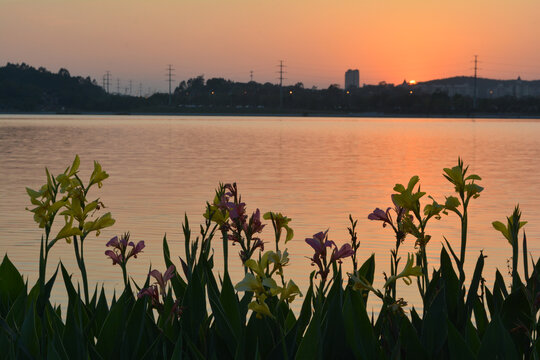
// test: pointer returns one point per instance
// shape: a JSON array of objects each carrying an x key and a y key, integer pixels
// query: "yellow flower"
[
  {"x": 289, "y": 292},
  {"x": 407, "y": 272},
  {"x": 260, "y": 308}
]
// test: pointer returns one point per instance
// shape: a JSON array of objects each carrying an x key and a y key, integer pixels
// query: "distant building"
[{"x": 352, "y": 79}]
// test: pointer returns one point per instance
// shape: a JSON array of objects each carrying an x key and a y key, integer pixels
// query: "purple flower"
[
  {"x": 258, "y": 243},
  {"x": 232, "y": 190},
  {"x": 345, "y": 251},
  {"x": 255, "y": 222},
  {"x": 386, "y": 218},
  {"x": 162, "y": 279},
  {"x": 176, "y": 310},
  {"x": 119, "y": 245},
  {"x": 116, "y": 258},
  {"x": 320, "y": 242},
  {"x": 237, "y": 211},
  {"x": 151, "y": 292},
  {"x": 381, "y": 215},
  {"x": 113, "y": 242},
  {"x": 400, "y": 211},
  {"x": 136, "y": 249}
]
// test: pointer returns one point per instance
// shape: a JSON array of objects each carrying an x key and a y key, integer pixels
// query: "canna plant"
[
  {"x": 197, "y": 313},
  {"x": 120, "y": 255},
  {"x": 466, "y": 189},
  {"x": 410, "y": 200},
  {"x": 74, "y": 206}
]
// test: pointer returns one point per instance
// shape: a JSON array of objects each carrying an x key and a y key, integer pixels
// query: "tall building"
[{"x": 352, "y": 79}]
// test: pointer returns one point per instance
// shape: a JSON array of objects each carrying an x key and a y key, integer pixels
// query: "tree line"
[{"x": 24, "y": 88}]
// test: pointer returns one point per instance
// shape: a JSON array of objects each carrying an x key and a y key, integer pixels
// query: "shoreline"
[{"x": 294, "y": 114}]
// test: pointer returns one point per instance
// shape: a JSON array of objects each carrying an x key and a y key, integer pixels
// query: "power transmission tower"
[
  {"x": 250, "y": 75},
  {"x": 107, "y": 81},
  {"x": 140, "y": 89},
  {"x": 281, "y": 78},
  {"x": 118, "y": 86},
  {"x": 475, "y": 78},
  {"x": 169, "y": 79},
  {"x": 130, "y": 87}
]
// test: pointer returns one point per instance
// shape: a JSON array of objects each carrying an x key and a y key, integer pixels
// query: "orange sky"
[{"x": 318, "y": 40}]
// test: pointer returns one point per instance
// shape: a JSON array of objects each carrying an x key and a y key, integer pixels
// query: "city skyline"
[{"x": 239, "y": 39}]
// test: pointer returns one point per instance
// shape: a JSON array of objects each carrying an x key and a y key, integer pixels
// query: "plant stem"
[
  {"x": 82, "y": 267},
  {"x": 225, "y": 251}
]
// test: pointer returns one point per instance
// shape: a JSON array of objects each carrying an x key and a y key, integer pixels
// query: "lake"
[{"x": 316, "y": 171}]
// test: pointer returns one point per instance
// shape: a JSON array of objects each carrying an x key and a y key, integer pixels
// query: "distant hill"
[
  {"x": 484, "y": 82},
  {"x": 24, "y": 88}
]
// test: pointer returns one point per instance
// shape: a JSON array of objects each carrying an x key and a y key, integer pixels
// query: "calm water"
[{"x": 315, "y": 170}]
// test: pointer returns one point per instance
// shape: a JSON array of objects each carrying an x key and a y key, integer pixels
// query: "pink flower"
[
  {"x": 136, "y": 249},
  {"x": 116, "y": 258},
  {"x": 255, "y": 222},
  {"x": 345, "y": 251},
  {"x": 151, "y": 292},
  {"x": 118, "y": 254},
  {"x": 320, "y": 242},
  {"x": 162, "y": 280}
]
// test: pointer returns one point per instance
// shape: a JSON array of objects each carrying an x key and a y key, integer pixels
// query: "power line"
[
  {"x": 475, "y": 77},
  {"x": 107, "y": 80},
  {"x": 281, "y": 78},
  {"x": 170, "y": 75}
]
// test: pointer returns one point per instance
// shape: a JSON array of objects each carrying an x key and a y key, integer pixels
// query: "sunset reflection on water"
[{"x": 316, "y": 171}]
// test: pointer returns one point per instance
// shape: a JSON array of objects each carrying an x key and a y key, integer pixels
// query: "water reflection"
[{"x": 316, "y": 171}]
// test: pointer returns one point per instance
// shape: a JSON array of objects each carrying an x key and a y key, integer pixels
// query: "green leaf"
[
  {"x": 28, "y": 337},
  {"x": 457, "y": 345},
  {"x": 452, "y": 203},
  {"x": 473, "y": 177},
  {"x": 74, "y": 166},
  {"x": 115, "y": 325},
  {"x": 68, "y": 231},
  {"x": 98, "y": 175},
  {"x": 290, "y": 233},
  {"x": 497, "y": 343},
  {"x": 56, "y": 206},
  {"x": 11, "y": 284},
  {"x": 100, "y": 223},
  {"x": 410, "y": 341},
  {"x": 499, "y": 226},
  {"x": 358, "y": 329},
  {"x": 33, "y": 193},
  {"x": 310, "y": 346},
  {"x": 434, "y": 329}
]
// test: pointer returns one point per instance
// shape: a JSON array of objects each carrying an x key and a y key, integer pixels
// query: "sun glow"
[{"x": 412, "y": 82}]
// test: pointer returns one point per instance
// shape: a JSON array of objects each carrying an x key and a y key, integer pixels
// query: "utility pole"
[
  {"x": 250, "y": 75},
  {"x": 475, "y": 78},
  {"x": 281, "y": 78},
  {"x": 130, "y": 83},
  {"x": 107, "y": 81},
  {"x": 170, "y": 76}
]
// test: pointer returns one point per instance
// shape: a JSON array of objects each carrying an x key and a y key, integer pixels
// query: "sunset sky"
[{"x": 318, "y": 40}]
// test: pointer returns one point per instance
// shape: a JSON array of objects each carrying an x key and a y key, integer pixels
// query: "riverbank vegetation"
[
  {"x": 27, "y": 89},
  {"x": 191, "y": 309}
]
